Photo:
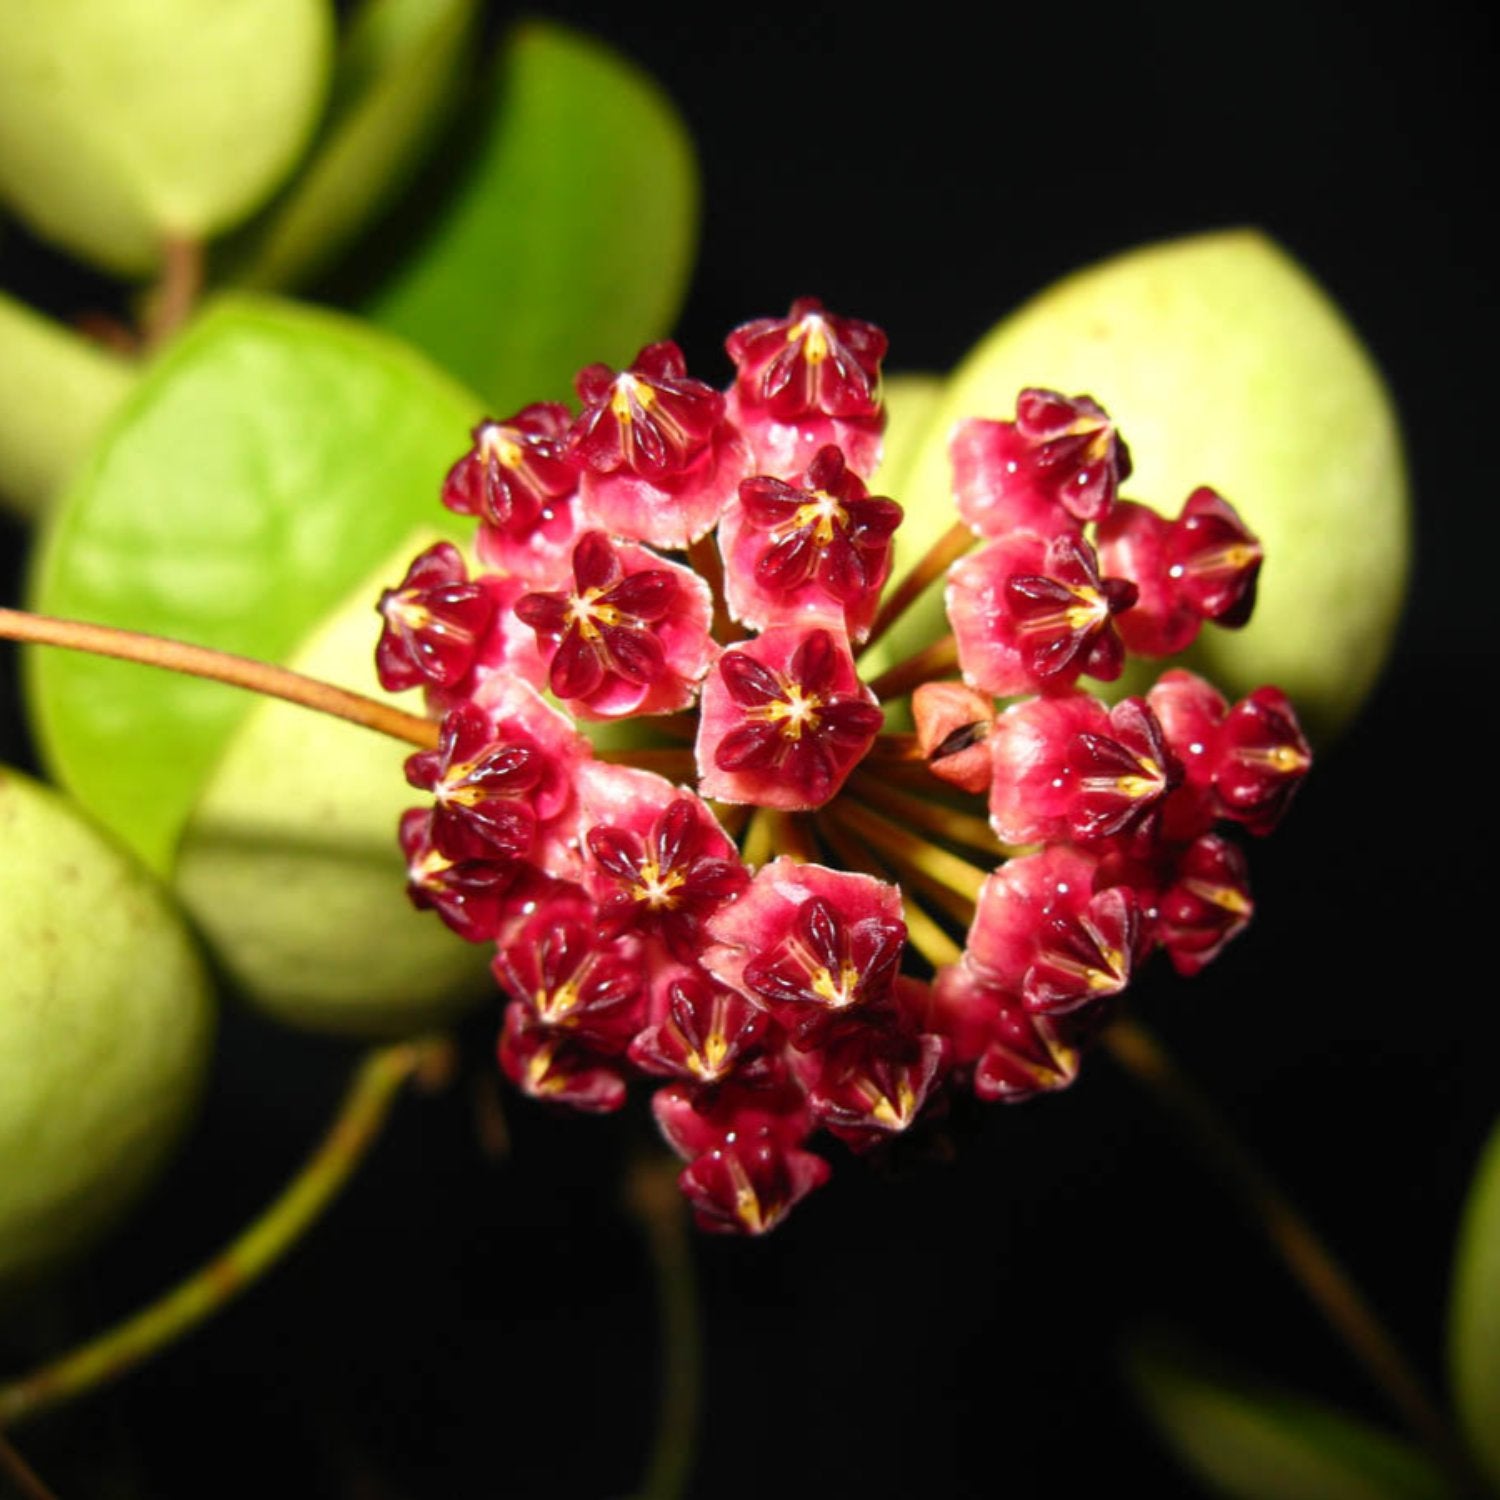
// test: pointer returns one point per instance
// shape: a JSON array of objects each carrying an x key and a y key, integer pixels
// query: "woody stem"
[
  {"x": 219, "y": 666},
  {"x": 1301, "y": 1251},
  {"x": 662, "y": 1215},
  {"x": 936, "y": 660},
  {"x": 365, "y": 1109},
  {"x": 939, "y": 558}
]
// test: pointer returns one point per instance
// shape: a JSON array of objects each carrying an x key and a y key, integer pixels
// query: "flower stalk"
[
  {"x": 940, "y": 659},
  {"x": 255, "y": 1250},
  {"x": 943, "y": 553},
  {"x": 1327, "y": 1284},
  {"x": 651, "y": 1192},
  {"x": 218, "y": 666},
  {"x": 28, "y": 1483}
]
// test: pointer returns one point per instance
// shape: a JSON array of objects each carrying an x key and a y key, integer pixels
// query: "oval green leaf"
[
  {"x": 1251, "y": 1442},
  {"x": 1474, "y": 1318},
  {"x": 106, "y": 1024},
  {"x": 56, "y": 392},
  {"x": 290, "y": 862},
  {"x": 398, "y": 74},
  {"x": 269, "y": 461},
  {"x": 569, "y": 238},
  {"x": 125, "y": 123},
  {"x": 911, "y": 401},
  {"x": 1223, "y": 364}
]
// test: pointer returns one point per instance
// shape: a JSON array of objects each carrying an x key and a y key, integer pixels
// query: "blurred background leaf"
[
  {"x": 1474, "y": 1318},
  {"x": 569, "y": 236},
  {"x": 402, "y": 68},
  {"x": 124, "y": 125},
  {"x": 271, "y": 459},
  {"x": 1253, "y": 1442},
  {"x": 56, "y": 391}
]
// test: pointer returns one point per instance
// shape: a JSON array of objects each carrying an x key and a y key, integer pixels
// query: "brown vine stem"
[
  {"x": 940, "y": 557},
  {"x": 1304, "y": 1254},
  {"x": 366, "y": 1106},
  {"x": 27, "y": 1481},
  {"x": 176, "y": 292},
  {"x": 219, "y": 666},
  {"x": 659, "y": 1209},
  {"x": 940, "y": 659}
]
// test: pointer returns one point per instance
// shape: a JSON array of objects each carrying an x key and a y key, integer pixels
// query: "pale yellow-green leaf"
[
  {"x": 56, "y": 391},
  {"x": 124, "y": 122},
  {"x": 1224, "y": 364},
  {"x": 290, "y": 864},
  {"x": 106, "y": 1023},
  {"x": 1474, "y": 1318},
  {"x": 910, "y": 403}
]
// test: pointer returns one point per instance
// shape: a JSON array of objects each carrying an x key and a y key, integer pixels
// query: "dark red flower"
[
  {"x": 483, "y": 786},
  {"x": 1031, "y": 613},
  {"x": 784, "y": 720},
  {"x": 435, "y": 622},
  {"x": 630, "y": 637},
  {"x": 669, "y": 880}
]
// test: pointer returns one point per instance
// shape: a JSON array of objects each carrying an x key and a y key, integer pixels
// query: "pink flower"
[
  {"x": 630, "y": 637},
  {"x": 746, "y": 895},
  {"x": 805, "y": 381},
  {"x": 1032, "y": 614},
  {"x": 821, "y": 544},
  {"x": 656, "y": 461},
  {"x": 784, "y": 720},
  {"x": 1058, "y": 465}
]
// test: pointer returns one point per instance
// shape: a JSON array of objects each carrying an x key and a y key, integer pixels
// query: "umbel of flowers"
[{"x": 789, "y": 920}]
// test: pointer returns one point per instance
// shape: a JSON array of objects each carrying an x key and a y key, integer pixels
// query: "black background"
[{"x": 464, "y": 1328}]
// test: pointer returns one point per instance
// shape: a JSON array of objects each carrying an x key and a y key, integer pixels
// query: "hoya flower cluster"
[{"x": 714, "y": 893}]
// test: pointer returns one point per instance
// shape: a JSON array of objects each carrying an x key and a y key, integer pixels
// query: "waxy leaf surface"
[
  {"x": 271, "y": 460},
  {"x": 127, "y": 122},
  {"x": 1474, "y": 1319},
  {"x": 569, "y": 237},
  {"x": 399, "y": 71},
  {"x": 289, "y": 862},
  {"x": 1222, "y": 363},
  {"x": 1252, "y": 1442},
  {"x": 105, "y": 1026}
]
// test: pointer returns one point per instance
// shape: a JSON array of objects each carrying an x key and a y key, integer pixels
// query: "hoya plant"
[{"x": 420, "y": 649}]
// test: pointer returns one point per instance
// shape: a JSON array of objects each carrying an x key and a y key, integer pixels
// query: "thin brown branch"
[{"x": 219, "y": 666}]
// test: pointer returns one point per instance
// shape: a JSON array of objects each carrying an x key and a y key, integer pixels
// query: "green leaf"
[
  {"x": 1253, "y": 1442},
  {"x": 272, "y": 458},
  {"x": 910, "y": 404},
  {"x": 570, "y": 238},
  {"x": 290, "y": 861},
  {"x": 398, "y": 75},
  {"x": 56, "y": 391},
  {"x": 1224, "y": 364},
  {"x": 1474, "y": 1318},
  {"x": 106, "y": 1022},
  {"x": 124, "y": 123}
]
